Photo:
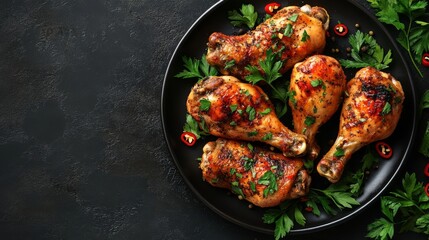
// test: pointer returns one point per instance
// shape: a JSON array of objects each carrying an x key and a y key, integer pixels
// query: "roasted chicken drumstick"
[
  {"x": 317, "y": 84},
  {"x": 370, "y": 113},
  {"x": 232, "y": 109},
  {"x": 262, "y": 177},
  {"x": 293, "y": 31}
]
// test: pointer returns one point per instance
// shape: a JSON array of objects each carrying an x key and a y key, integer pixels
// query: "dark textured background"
[{"x": 82, "y": 152}]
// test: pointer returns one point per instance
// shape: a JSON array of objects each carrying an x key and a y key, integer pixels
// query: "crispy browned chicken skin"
[
  {"x": 317, "y": 84},
  {"x": 232, "y": 109},
  {"x": 370, "y": 113},
  {"x": 297, "y": 38},
  {"x": 262, "y": 177}
]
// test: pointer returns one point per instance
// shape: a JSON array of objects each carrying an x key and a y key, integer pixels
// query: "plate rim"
[{"x": 355, "y": 210}]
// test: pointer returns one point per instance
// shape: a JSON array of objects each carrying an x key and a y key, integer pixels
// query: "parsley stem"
[
  {"x": 407, "y": 37},
  {"x": 277, "y": 92}
]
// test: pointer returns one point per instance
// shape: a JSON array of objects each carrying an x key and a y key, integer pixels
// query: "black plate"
[{"x": 175, "y": 92}]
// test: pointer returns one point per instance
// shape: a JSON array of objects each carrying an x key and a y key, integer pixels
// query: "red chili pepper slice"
[
  {"x": 427, "y": 189},
  {"x": 308, "y": 209},
  {"x": 271, "y": 8},
  {"x": 427, "y": 170},
  {"x": 188, "y": 138},
  {"x": 384, "y": 150},
  {"x": 341, "y": 29},
  {"x": 425, "y": 60}
]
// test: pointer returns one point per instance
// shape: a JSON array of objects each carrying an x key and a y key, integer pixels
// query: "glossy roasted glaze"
[
  {"x": 237, "y": 166},
  {"x": 240, "y": 123},
  {"x": 363, "y": 119},
  {"x": 317, "y": 85},
  {"x": 250, "y": 48}
]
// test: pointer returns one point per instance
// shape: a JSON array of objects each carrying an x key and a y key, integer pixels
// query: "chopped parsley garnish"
[
  {"x": 309, "y": 120},
  {"x": 294, "y": 17},
  {"x": 339, "y": 152},
  {"x": 233, "y": 107},
  {"x": 235, "y": 188},
  {"x": 386, "y": 109},
  {"x": 266, "y": 111},
  {"x": 316, "y": 82},
  {"x": 305, "y": 36},
  {"x": 269, "y": 180},
  {"x": 204, "y": 104},
  {"x": 288, "y": 30},
  {"x": 248, "y": 163},
  {"x": 252, "y": 133},
  {"x": 245, "y": 92},
  {"x": 251, "y": 112},
  {"x": 267, "y": 136},
  {"x": 252, "y": 186}
]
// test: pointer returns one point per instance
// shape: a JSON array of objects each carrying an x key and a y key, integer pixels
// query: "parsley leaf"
[
  {"x": 229, "y": 64},
  {"x": 247, "y": 16},
  {"x": 335, "y": 197},
  {"x": 386, "y": 109},
  {"x": 365, "y": 51},
  {"x": 339, "y": 152},
  {"x": 336, "y": 194},
  {"x": 284, "y": 217},
  {"x": 268, "y": 73},
  {"x": 191, "y": 125},
  {"x": 288, "y": 30},
  {"x": 269, "y": 180},
  {"x": 305, "y": 36},
  {"x": 267, "y": 136},
  {"x": 404, "y": 15},
  {"x": 405, "y": 208},
  {"x": 294, "y": 17},
  {"x": 204, "y": 104},
  {"x": 309, "y": 120},
  {"x": 195, "y": 68},
  {"x": 251, "y": 112},
  {"x": 380, "y": 229},
  {"x": 369, "y": 160}
]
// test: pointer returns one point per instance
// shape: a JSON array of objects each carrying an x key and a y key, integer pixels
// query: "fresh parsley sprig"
[
  {"x": 284, "y": 217},
  {"x": 406, "y": 16},
  {"x": 247, "y": 16},
  {"x": 331, "y": 199},
  {"x": 191, "y": 125},
  {"x": 269, "y": 71},
  {"x": 196, "y": 68},
  {"x": 406, "y": 208},
  {"x": 365, "y": 51}
]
